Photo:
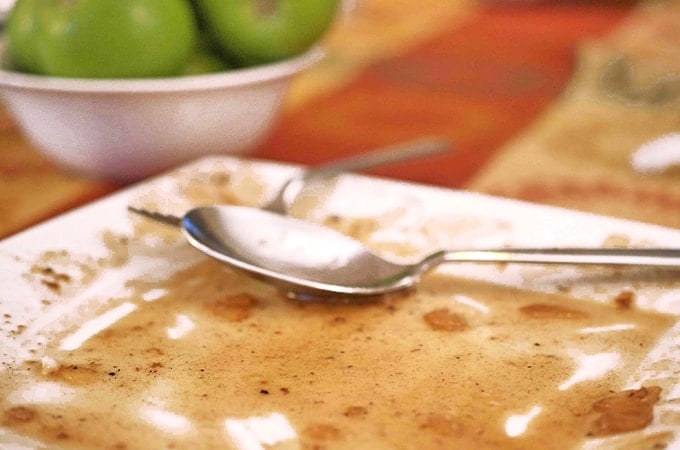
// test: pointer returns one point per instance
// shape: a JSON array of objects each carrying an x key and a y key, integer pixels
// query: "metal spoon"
[
  {"x": 418, "y": 148},
  {"x": 309, "y": 259}
]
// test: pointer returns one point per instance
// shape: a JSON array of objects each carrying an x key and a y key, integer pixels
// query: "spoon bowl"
[{"x": 296, "y": 255}]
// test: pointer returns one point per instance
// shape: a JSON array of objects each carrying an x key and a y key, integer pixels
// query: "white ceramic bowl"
[{"x": 125, "y": 130}]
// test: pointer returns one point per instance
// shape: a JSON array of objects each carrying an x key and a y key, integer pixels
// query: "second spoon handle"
[{"x": 404, "y": 151}]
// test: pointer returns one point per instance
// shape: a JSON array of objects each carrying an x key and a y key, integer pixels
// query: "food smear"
[{"x": 211, "y": 359}]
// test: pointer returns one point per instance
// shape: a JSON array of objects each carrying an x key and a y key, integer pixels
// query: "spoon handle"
[
  {"x": 658, "y": 257},
  {"x": 418, "y": 148}
]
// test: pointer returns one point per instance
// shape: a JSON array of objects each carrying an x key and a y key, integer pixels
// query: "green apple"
[
  {"x": 260, "y": 31},
  {"x": 205, "y": 60},
  {"x": 102, "y": 38},
  {"x": 21, "y": 31}
]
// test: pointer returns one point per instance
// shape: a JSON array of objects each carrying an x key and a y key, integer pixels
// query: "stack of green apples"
[{"x": 159, "y": 38}]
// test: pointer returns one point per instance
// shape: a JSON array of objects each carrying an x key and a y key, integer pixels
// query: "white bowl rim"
[{"x": 231, "y": 78}]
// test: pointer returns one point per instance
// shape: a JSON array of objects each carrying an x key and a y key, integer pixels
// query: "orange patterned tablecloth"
[
  {"x": 517, "y": 86},
  {"x": 480, "y": 81},
  {"x": 625, "y": 93}
]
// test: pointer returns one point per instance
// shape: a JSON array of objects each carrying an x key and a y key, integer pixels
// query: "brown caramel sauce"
[
  {"x": 548, "y": 311},
  {"x": 624, "y": 299},
  {"x": 624, "y": 411},
  {"x": 445, "y": 320},
  {"x": 422, "y": 369}
]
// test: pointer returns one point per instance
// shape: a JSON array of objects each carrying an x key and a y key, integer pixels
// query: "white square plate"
[{"x": 117, "y": 334}]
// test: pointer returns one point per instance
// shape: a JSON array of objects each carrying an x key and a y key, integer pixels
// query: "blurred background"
[{"x": 546, "y": 101}]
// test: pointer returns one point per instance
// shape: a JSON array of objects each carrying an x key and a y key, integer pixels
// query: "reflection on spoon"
[{"x": 307, "y": 258}]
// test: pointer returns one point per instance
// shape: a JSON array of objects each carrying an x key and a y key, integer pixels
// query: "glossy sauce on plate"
[{"x": 211, "y": 359}]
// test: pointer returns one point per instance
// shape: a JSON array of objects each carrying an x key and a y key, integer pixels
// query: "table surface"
[{"x": 518, "y": 86}]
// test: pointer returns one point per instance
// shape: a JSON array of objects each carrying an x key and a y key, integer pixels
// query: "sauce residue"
[
  {"x": 211, "y": 359},
  {"x": 624, "y": 411},
  {"x": 445, "y": 320}
]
